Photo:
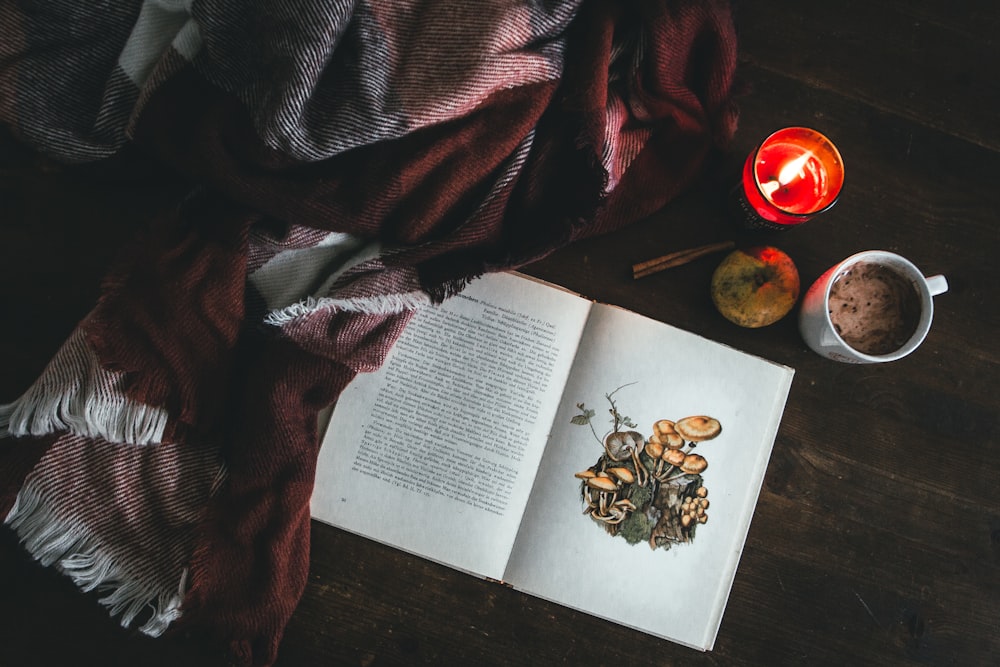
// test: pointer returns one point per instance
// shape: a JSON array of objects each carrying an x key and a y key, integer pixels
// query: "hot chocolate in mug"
[{"x": 873, "y": 307}]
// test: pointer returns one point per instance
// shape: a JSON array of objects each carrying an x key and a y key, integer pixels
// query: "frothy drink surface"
[{"x": 874, "y": 309}]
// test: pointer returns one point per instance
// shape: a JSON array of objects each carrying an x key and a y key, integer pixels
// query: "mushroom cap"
[
  {"x": 619, "y": 444},
  {"x": 602, "y": 483},
  {"x": 624, "y": 474},
  {"x": 668, "y": 440},
  {"x": 663, "y": 427},
  {"x": 698, "y": 428},
  {"x": 585, "y": 474},
  {"x": 654, "y": 449},
  {"x": 674, "y": 456},
  {"x": 694, "y": 463}
]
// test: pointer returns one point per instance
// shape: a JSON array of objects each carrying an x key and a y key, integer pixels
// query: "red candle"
[{"x": 794, "y": 174}]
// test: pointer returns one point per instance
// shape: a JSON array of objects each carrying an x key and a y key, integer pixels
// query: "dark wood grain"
[{"x": 876, "y": 539}]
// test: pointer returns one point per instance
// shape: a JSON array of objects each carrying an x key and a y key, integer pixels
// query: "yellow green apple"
[{"x": 754, "y": 287}]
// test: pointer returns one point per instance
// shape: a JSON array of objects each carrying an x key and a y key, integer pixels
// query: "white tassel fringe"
[
  {"x": 75, "y": 394},
  {"x": 380, "y": 305},
  {"x": 54, "y": 541}
]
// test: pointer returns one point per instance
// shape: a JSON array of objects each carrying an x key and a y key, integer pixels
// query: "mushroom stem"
[{"x": 640, "y": 470}]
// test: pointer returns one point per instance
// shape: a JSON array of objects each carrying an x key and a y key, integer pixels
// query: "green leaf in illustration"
[{"x": 582, "y": 419}]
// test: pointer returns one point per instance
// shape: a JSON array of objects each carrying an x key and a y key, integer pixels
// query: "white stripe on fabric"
[
  {"x": 159, "y": 25},
  {"x": 293, "y": 274},
  {"x": 120, "y": 520},
  {"x": 360, "y": 72},
  {"x": 58, "y": 542},
  {"x": 76, "y": 395},
  {"x": 188, "y": 41}
]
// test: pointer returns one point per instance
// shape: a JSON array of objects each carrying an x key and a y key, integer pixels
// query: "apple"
[{"x": 754, "y": 287}]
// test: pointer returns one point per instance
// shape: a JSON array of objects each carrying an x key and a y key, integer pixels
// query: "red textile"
[{"x": 191, "y": 351}]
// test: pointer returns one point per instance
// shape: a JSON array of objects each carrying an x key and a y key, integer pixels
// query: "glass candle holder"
[{"x": 793, "y": 175}]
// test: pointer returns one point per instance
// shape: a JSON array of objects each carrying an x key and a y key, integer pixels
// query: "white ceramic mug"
[{"x": 818, "y": 329}]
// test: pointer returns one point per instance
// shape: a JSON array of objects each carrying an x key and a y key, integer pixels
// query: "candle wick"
[{"x": 769, "y": 187}]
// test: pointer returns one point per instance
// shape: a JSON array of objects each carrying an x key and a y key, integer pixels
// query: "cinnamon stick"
[{"x": 678, "y": 258}]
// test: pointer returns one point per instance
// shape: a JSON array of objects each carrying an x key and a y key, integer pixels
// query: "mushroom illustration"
[
  {"x": 693, "y": 464},
  {"x": 641, "y": 474},
  {"x": 693, "y": 510},
  {"x": 654, "y": 480},
  {"x": 654, "y": 449},
  {"x": 668, "y": 440},
  {"x": 698, "y": 428},
  {"x": 625, "y": 503},
  {"x": 674, "y": 457},
  {"x": 607, "y": 507},
  {"x": 665, "y": 433},
  {"x": 623, "y": 474},
  {"x": 663, "y": 426},
  {"x": 669, "y": 457},
  {"x": 619, "y": 445},
  {"x": 602, "y": 483}
]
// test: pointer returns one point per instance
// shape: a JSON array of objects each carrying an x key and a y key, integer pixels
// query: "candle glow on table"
[{"x": 794, "y": 174}]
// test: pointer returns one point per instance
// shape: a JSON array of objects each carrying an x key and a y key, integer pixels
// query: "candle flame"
[
  {"x": 793, "y": 169},
  {"x": 788, "y": 173}
]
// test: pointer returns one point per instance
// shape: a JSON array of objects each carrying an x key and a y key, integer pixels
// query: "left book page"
[{"x": 436, "y": 453}]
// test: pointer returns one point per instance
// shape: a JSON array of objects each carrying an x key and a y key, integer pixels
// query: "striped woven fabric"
[{"x": 355, "y": 161}]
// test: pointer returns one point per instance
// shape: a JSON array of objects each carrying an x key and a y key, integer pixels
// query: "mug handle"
[{"x": 937, "y": 285}]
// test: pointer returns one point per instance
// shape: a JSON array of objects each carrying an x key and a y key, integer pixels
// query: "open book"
[{"x": 526, "y": 434}]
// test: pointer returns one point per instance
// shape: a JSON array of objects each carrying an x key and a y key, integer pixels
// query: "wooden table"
[{"x": 876, "y": 539}]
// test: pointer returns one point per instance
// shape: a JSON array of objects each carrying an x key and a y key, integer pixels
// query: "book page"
[
  {"x": 436, "y": 452},
  {"x": 639, "y": 565}
]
